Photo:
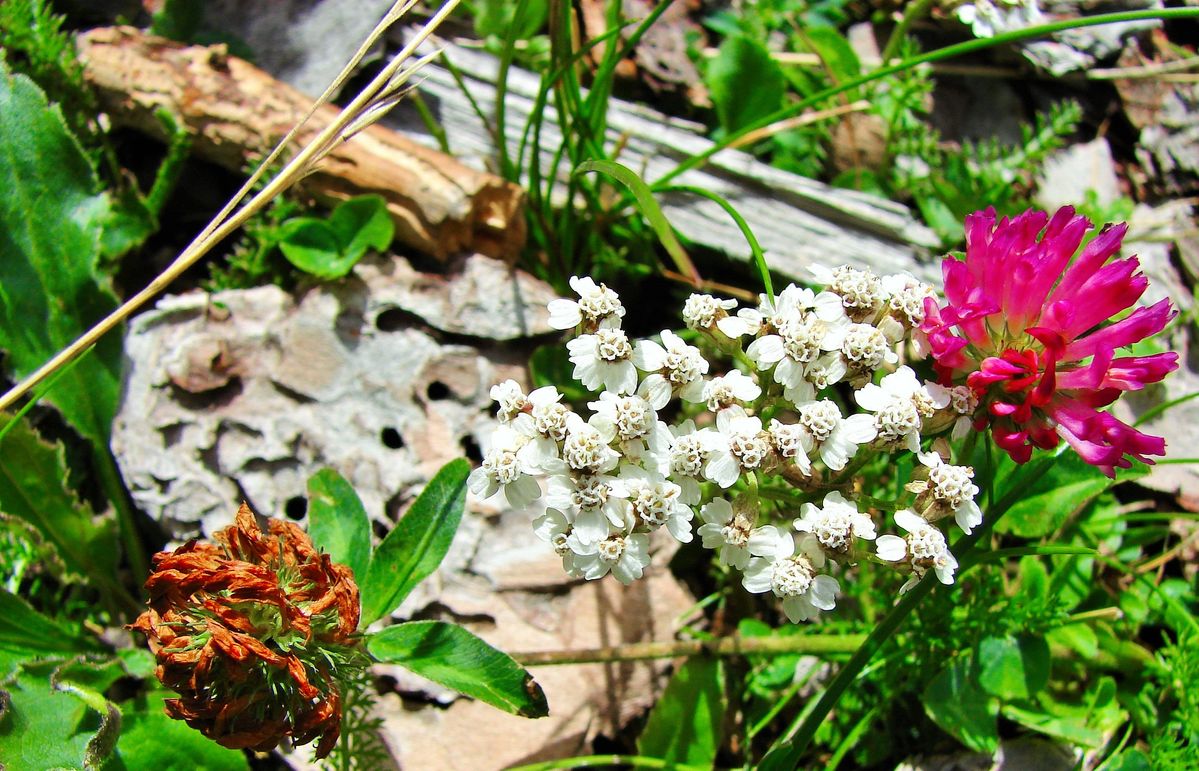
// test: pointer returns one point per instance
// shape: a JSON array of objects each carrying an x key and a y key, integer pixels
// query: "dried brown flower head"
[{"x": 255, "y": 634}]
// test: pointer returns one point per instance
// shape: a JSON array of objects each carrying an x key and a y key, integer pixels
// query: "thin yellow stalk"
[{"x": 385, "y": 84}]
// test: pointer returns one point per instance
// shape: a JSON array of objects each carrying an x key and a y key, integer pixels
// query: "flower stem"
[
  {"x": 718, "y": 646},
  {"x": 787, "y": 753}
]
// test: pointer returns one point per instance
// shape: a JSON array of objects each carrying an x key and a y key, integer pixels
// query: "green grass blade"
[{"x": 754, "y": 247}]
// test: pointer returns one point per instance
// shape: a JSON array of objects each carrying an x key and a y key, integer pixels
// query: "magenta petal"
[
  {"x": 1135, "y": 327},
  {"x": 1097, "y": 252}
]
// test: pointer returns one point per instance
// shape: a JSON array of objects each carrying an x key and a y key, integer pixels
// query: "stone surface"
[
  {"x": 302, "y": 42},
  {"x": 1069, "y": 173},
  {"x": 245, "y": 393}
]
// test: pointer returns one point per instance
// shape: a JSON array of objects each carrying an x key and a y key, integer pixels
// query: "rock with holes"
[{"x": 244, "y": 394}]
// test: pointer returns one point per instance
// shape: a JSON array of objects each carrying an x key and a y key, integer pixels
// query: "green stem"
[
  {"x": 786, "y": 754},
  {"x": 916, "y": 10},
  {"x": 114, "y": 489},
  {"x": 948, "y": 52},
  {"x": 717, "y": 646},
  {"x": 618, "y": 761}
]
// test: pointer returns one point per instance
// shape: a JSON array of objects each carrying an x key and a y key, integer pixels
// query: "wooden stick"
[{"x": 237, "y": 113}]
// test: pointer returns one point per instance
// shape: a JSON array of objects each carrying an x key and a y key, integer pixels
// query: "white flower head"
[
  {"x": 544, "y": 422},
  {"x": 724, "y": 391},
  {"x": 866, "y": 348},
  {"x": 789, "y": 571},
  {"x": 963, "y": 401},
  {"x": 510, "y": 398},
  {"x": 792, "y": 441},
  {"x": 702, "y": 311},
  {"x": 739, "y": 445},
  {"x": 900, "y": 403},
  {"x": 835, "y": 437},
  {"x": 924, "y": 547},
  {"x": 654, "y": 501},
  {"x": 585, "y": 447},
  {"x": 675, "y": 367},
  {"x": 588, "y": 503},
  {"x": 604, "y": 359},
  {"x": 836, "y": 523},
  {"x": 951, "y": 491},
  {"x": 631, "y": 416},
  {"x": 861, "y": 291},
  {"x": 597, "y": 306},
  {"x": 731, "y": 532},
  {"x": 680, "y": 454},
  {"x": 626, "y": 556},
  {"x": 555, "y": 528},
  {"x": 987, "y": 19},
  {"x": 803, "y": 338},
  {"x": 905, "y": 297},
  {"x": 505, "y": 472}
]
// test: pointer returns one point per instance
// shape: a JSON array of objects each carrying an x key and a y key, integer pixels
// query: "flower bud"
[{"x": 255, "y": 633}]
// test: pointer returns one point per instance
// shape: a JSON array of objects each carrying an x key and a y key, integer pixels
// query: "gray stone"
[{"x": 1068, "y": 173}]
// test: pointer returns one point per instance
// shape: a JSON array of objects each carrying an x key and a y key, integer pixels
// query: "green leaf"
[
  {"x": 45, "y": 727},
  {"x": 1013, "y": 667},
  {"x": 362, "y": 223},
  {"x": 337, "y": 521},
  {"x": 746, "y": 84},
  {"x": 648, "y": 207},
  {"x": 417, "y": 544},
  {"x": 955, "y": 702},
  {"x": 24, "y": 630},
  {"x": 150, "y": 739},
  {"x": 32, "y": 487},
  {"x": 684, "y": 726},
  {"x": 452, "y": 656},
  {"x": 51, "y": 217},
  {"x": 498, "y": 17},
  {"x": 1067, "y": 486},
  {"x": 835, "y": 52},
  {"x": 312, "y": 246}
]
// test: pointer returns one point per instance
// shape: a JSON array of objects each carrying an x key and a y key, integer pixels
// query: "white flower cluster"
[
  {"x": 988, "y": 19},
  {"x": 614, "y": 478}
]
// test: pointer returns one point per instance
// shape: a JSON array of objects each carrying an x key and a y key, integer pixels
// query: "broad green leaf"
[
  {"x": 498, "y": 17},
  {"x": 746, "y": 84},
  {"x": 45, "y": 727},
  {"x": 1078, "y": 637},
  {"x": 684, "y": 726},
  {"x": 1088, "y": 724},
  {"x": 337, "y": 521},
  {"x": 1068, "y": 484},
  {"x": 32, "y": 487},
  {"x": 417, "y": 544},
  {"x": 151, "y": 740},
  {"x": 362, "y": 223},
  {"x": 24, "y": 630},
  {"x": 452, "y": 656},
  {"x": 51, "y": 217},
  {"x": 955, "y": 702},
  {"x": 312, "y": 246},
  {"x": 1013, "y": 667}
]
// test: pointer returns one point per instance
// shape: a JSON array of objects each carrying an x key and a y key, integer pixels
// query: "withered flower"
[{"x": 256, "y": 633}]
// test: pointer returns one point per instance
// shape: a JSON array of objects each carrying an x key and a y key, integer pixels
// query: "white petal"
[
  {"x": 968, "y": 516},
  {"x": 655, "y": 389},
  {"x": 564, "y": 314},
  {"x": 711, "y": 536},
  {"x": 723, "y": 469},
  {"x": 718, "y": 511},
  {"x": 769, "y": 541},
  {"x": 680, "y": 528},
  {"x": 858, "y": 429},
  {"x": 910, "y": 520},
  {"x": 648, "y": 356},
  {"x": 891, "y": 548},
  {"x": 591, "y": 526},
  {"x": 757, "y": 575},
  {"x": 872, "y": 397},
  {"x": 823, "y": 592},
  {"x": 766, "y": 351}
]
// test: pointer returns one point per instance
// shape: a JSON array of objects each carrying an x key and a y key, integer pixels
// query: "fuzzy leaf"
[
  {"x": 51, "y": 217},
  {"x": 417, "y": 544},
  {"x": 337, "y": 521},
  {"x": 32, "y": 487},
  {"x": 45, "y": 727},
  {"x": 684, "y": 726},
  {"x": 452, "y": 656}
]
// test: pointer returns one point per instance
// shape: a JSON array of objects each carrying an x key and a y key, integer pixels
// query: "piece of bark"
[{"x": 237, "y": 112}]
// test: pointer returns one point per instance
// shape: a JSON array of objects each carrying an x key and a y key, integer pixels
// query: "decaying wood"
[
  {"x": 237, "y": 112},
  {"x": 797, "y": 220}
]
